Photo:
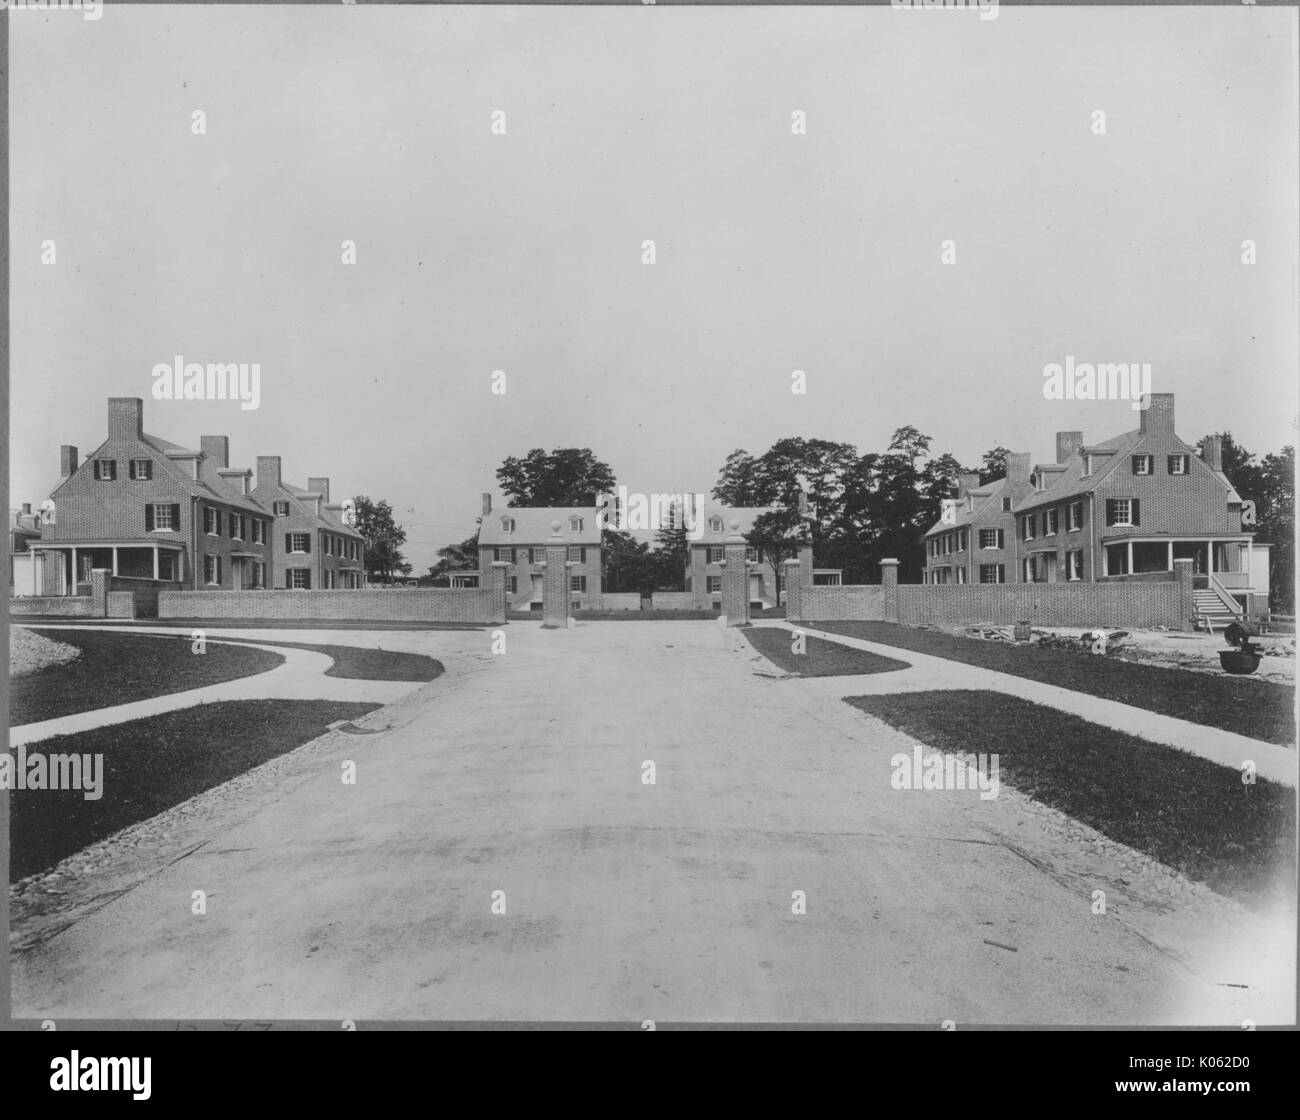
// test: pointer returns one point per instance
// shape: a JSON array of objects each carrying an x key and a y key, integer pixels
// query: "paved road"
[{"x": 625, "y": 901}]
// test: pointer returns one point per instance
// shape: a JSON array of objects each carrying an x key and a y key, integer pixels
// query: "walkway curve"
[{"x": 929, "y": 673}]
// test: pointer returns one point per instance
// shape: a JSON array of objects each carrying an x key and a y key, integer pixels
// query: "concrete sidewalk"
[
  {"x": 1277, "y": 763},
  {"x": 301, "y": 677},
  {"x": 624, "y": 900}
]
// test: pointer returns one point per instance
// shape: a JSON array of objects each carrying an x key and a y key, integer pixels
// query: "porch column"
[
  {"x": 1170, "y": 561},
  {"x": 72, "y": 587},
  {"x": 155, "y": 562},
  {"x": 115, "y": 559},
  {"x": 1130, "y": 557}
]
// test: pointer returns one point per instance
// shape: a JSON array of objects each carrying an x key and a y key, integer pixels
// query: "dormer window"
[
  {"x": 715, "y": 524},
  {"x": 970, "y": 504},
  {"x": 507, "y": 524},
  {"x": 1087, "y": 464},
  {"x": 575, "y": 524}
]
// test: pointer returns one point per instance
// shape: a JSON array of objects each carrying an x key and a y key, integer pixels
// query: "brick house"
[
  {"x": 148, "y": 509},
  {"x": 976, "y": 543},
  {"x": 704, "y": 557},
  {"x": 314, "y": 549},
  {"x": 518, "y": 536},
  {"x": 1127, "y": 508}
]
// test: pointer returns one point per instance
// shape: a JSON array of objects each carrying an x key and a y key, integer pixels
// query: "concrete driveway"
[{"x": 522, "y": 773}]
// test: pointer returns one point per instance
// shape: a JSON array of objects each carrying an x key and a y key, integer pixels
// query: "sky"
[{"x": 522, "y": 252}]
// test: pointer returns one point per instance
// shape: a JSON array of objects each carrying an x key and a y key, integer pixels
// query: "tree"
[
  {"x": 383, "y": 539},
  {"x": 458, "y": 557},
  {"x": 739, "y": 483},
  {"x": 994, "y": 464},
  {"x": 568, "y": 476},
  {"x": 1271, "y": 486},
  {"x": 778, "y": 535},
  {"x": 672, "y": 550},
  {"x": 628, "y": 563}
]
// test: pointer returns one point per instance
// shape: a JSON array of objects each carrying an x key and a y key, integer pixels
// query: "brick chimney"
[
  {"x": 67, "y": 461},
  {"x": 217, "y": 451},
  {"x": 1018, "y": 463},
  {"x": 125, "y": 418},
  {"x": 1212, "y": 453},
  {"x": 1068, "y": 444},
  {"x": 966, "y": 483},
  {"x": 487, "y": 504},
  {"x": 268, "y": 470},
  {"x": 320, "y": 486},
  {"x": 1159, "y": 418}
]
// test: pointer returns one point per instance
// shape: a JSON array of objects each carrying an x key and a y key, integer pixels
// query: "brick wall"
[
  {"x": 681, "y": 601},
  {"x": 1137, "y": 604},
  {"x": 64, "y": 606},
  {"x": 856, "y": 602},
  {"x": 482, "y": 605},
  {"x": 1131, "y": 603}
]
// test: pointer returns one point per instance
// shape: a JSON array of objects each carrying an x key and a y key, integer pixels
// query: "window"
[
  {"x": 512, "y": 585},
  {"x": 297, "y": 579},
  {"x": 991, "y": 573},
  {"x": 259, "y": 574},
  {"x": 1006, "y": 505},
  {"x": 259, "y": 531},
  {"x": 1087, "y": 465},
  {"x": 714, "y": 585},
  {"x": 161, "y": 517},
  {"x": 575, "y": 524},
  {"x": 962, "y": 540},
  {"x": 1027, "y": 527},
  {"x": 713, "y": 554},
  {"x": 105, "y": 470},
  {"x": 142, "y": 469},
  {"x": 167, "y": 566},
  {"x": 507, "y": 524},
  {"x": 1074, "y": 565},
  {"x": 751, "y": 554},
  {"x": 536, "y": 555},
  {"x": 329, "y": 544},
  {"x": 1051, "y": 522},
  {"x": 212, "y": 569},
  {"x": 1074, "y": 516},
  {"x": 280, "y": 509},
  {"x": 1177, "y": 464},
  {"x": 990, "y": 538},
  {"x": 1122, "y": 511},
  {"x": 506, "y": 554},
  {"x": 297, "y": 542},
  {"x": 1144, "y": 464},
  {"x": 1031, "y": 569},
  {"x": 236, "y": 526},
  {"x": 961, "y": 575},
  {"x": 211, "y": 525},
  {"x": 970, "y": 504},
  {"x": 715, "y": 524},
  {"x": 578, "y": 553},
  {"x": 578, "y": 583}
]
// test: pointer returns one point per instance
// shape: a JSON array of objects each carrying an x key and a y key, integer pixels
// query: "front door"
[
  {"x": 1049, "y": 565},
  {"x": 237, "y": 574}
]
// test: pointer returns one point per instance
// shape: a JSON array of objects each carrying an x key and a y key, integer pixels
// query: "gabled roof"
[
  {"x": 745, "y": 515},
  {"x": 325, "y": 518},
  {"x": 982, "y": 495},
  {"x": 533, "y": 526}
]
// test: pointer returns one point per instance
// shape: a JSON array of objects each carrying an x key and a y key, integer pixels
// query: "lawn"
[
  {"x": 356, "y": 663},
  {"x": 1258, "y": 709},
  {"x": 1184, "y": 810},
  {"x": 820, "y": 657},
  {"x": 151, "y": 764},
  {"x": 116, "y": 668}
]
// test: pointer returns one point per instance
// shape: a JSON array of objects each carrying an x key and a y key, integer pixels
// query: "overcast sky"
[{"x": 522, "y": 252}]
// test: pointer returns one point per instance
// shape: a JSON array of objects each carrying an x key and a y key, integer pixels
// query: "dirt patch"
[{"x": 29, "y": 652}]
